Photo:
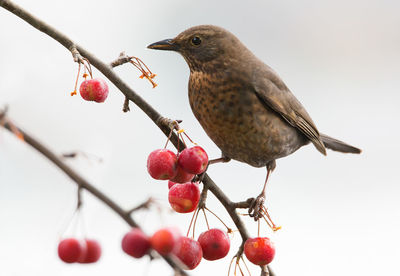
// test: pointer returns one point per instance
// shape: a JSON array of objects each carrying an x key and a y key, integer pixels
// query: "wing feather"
[{"x": 273, "y": 92}]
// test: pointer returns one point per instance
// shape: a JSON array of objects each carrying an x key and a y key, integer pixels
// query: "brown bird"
[{"x": 242, "y": 104}]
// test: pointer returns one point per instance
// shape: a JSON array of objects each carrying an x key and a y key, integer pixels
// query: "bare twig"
[
  {"x": 144, "y": 205},
  {"x": 122, "y": 59},
  {"x": 242, "y": 204},
  {"x": 126, "y": 108}
]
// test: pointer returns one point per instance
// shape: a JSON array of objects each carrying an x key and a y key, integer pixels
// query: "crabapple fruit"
[
  {"x": 189, "y": 252},
  {"x": 94, "y": 90},
  {"x": 71, "y": 250},
  {"x": 162, "y": 164},
  {"x": 215, "y": 244},
  {"x": 259, "y": 251},
  {"x": 182, "y": 176},
  {"x": 171, "y": 183},
  {"x": 135, "y": 243},
  {"x": 164, "y": 240},
  {"x": 193, "y": 160},
  {"x": 184, "y": 198},
  {"x": 93, "y": 252}
]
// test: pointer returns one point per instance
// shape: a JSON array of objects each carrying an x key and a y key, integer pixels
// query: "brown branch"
[
  {"x": 129, "y": 93},
  {"x": 83, "y": 184},
  {"x": 122, "y": 59},
  {"x": 144, "y": 205},
  {"x": 242, "y": 204}
]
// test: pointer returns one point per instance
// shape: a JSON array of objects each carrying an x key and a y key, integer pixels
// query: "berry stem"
[
  {"x": 89, "y": 67},
  {"x": 79, "y": 201},
  {"x": 267, "y": 218},
  {"x": 228, "y": 229},
  {"x": 183, "y": 140},
  {"x": 189, "y": 138},
  {"x": 247, "y": 268},
  {"x": 169, "y": 137},
  {"x": 191, "y": 222},
  {"x": 194, "y": 223},
  {"x": 76, "y": 81},
  {"x": 205, "y": 217}
]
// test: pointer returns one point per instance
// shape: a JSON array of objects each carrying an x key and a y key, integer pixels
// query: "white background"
[{"x": 340, "y": 213}]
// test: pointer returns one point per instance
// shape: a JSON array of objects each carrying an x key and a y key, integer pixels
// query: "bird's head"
[{"x": 202, "y": 46}]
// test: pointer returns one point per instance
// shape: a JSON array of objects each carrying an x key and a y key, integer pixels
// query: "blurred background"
[{"x": 339, "y": 214}]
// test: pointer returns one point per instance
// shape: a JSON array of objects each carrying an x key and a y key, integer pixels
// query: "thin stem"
[
  {"x": 229, "y": 229},
  {"x": 194, "y": 223},
  {"x": 190, "y": 224},
  {"x": 205, "y": 217}
]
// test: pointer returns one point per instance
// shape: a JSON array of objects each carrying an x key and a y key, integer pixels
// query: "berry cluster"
[
  {"x": 163, "y": 164},
  {"x": 211, "y": 245},
  {"x": 180, "y": 168},
  {"x": 72, "y": 250}
]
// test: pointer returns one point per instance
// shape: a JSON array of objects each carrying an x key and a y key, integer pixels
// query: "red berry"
[
  {"x": 135, "y": 243},
  {"x": 170, "y": 184},
  {"x": 259, "y": 251},
  {"x": 164, "y": 240},
  {"x": 93, "y": 252},
  {"x": 94, "y": 90},
  {"x": 182, "y": 176},
  {"x": 162, "y": 164},
  {"x": 71, "y": 250},
  {"x": 188, "y": 252},
  {"x": 184, "y": 197},
  {"x": 193, "y": 160},
  {"x": 215, "y": 244}
]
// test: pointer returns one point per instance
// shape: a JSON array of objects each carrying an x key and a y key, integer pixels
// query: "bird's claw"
[{"x": 256, "y": 207}]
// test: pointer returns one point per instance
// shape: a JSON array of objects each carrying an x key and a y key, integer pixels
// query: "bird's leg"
[
  {"x": 257, "y": 208},
  {"x": 222, "y": 159}
]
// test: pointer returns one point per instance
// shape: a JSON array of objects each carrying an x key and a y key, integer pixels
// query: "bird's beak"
[{"x": 166, "y": 44}]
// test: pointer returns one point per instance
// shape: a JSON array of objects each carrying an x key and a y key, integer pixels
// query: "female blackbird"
[{"x": 242, "y": 104}]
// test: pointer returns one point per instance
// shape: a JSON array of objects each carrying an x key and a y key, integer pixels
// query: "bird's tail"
[{"x": 337, "y": 145}]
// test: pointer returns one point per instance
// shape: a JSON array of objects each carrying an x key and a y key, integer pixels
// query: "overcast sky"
[{"x": 339, "y": 214}]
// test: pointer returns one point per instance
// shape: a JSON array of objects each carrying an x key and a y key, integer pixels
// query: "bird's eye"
[{"x": 196, "y": 40}]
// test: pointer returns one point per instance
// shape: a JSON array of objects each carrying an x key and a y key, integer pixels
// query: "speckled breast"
[{"x": 238, "y": 122}]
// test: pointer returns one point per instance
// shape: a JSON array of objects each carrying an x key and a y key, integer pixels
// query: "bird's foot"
[{"x": 257, "y": 210}]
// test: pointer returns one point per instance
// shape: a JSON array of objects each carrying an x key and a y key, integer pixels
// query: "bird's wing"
[{"x": 271, "y": 90}]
